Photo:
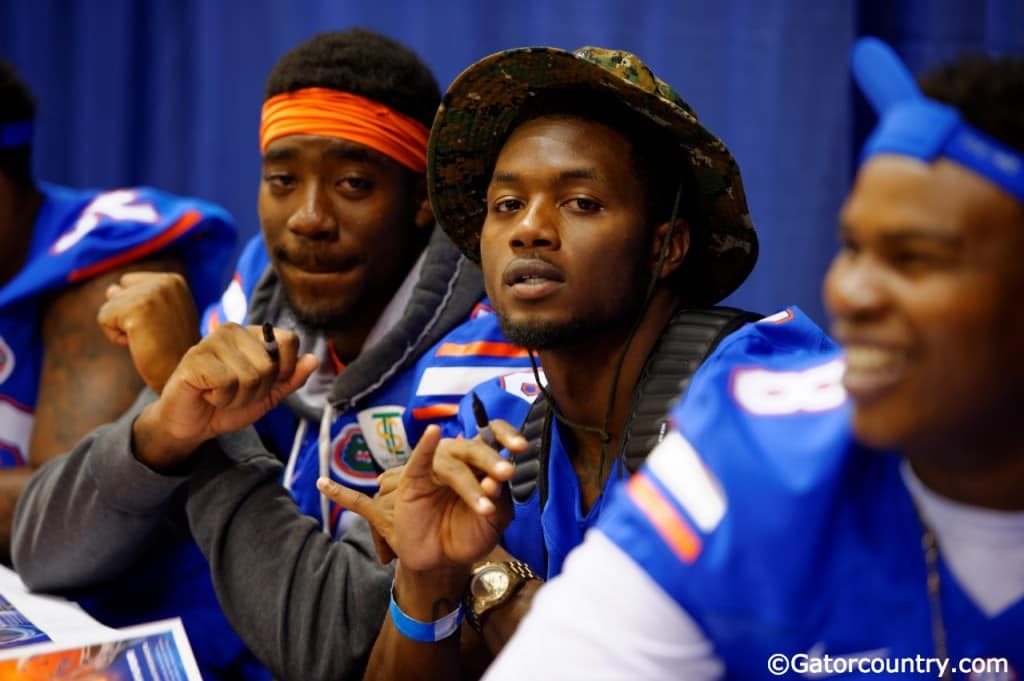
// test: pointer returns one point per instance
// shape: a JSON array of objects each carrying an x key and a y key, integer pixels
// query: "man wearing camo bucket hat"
[
  {"x": 493, "y": 96},
  {"x": 605, "y": 219}
]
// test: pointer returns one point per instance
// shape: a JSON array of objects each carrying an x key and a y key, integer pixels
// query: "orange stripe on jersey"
[
  {"x": 672, "y": 528},
  {"x": 435, "y": 411},
  {"x": 185, "y": 223},
  {"x": 485, "y": 348}
]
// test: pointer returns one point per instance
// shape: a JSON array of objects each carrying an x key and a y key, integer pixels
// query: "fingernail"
[
  {"x": 503, "y": 467},
  {"x": 484, "y": 504}
]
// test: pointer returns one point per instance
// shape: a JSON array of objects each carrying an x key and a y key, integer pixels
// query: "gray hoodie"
[{"x": 308, "y": 607}]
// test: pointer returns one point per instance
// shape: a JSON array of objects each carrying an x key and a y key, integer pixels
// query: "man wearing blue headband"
[
  {"x": 858, "y": 510},
  {"x": 60, "y": 251}
]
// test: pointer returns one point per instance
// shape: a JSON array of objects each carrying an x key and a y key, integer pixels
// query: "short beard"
[
  {"x": 577, "y": 331},
  {"x": 323, "y": 320},
  {"x": 548, "y": 336}
]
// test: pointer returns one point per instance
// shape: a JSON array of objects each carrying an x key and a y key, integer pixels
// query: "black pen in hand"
[
  {"x": 269, "y": 341},
  {"x": 483, "y": 423}
]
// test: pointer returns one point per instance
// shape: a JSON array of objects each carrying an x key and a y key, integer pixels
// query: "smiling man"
[
  {"x": 827, "y": 512},
  {"x": 605, "y": 219}
]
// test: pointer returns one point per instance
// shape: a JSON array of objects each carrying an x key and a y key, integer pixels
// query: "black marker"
[
  {"x": 269, "y": 342},
  {"x": 483, "y": 423}
]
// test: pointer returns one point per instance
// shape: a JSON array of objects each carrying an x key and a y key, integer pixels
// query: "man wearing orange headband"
[{"x": 349, "y": 269}]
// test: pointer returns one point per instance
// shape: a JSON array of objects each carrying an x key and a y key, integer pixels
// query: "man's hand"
[
  {"x": 153, "y": 315},
  {"x": 450, "y": 505},
  {"x": 225, "y": 383},
  {"x": 380, "y": 507}
]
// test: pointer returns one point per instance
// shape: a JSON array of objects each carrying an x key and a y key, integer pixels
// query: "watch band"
[{"x": 476, "y": 613}]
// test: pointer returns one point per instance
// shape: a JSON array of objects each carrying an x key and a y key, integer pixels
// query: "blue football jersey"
[
  {"x": 77, "y": 235},
  {"x": 382, "y": 430},
  {"x": 763, "y": 519},
  {"x": 233, "y": 304},
  {"x": 540, "y": 537}
]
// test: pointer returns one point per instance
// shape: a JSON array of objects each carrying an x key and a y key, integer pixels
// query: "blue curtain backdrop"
[{"x": 168, "y": 92}]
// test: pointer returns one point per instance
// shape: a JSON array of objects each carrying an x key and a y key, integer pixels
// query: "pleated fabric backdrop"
[{"x": 168, "y": 92}]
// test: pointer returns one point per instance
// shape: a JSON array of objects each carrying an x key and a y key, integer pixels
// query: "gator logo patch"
[
  {"x": 6, "y": 360},
  {"x": 351, "y": 461}
]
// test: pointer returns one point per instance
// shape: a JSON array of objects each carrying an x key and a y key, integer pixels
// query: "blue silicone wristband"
[{"x": 424, "y": 632}]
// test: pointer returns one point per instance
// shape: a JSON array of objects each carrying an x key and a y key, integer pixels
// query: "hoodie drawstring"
[
  {"x": 324, "y": 450},
  {"x": 293, "y": 455}
]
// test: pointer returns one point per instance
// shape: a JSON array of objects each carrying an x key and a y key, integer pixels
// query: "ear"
[
  {"x": 678, "y": 245},
  {"x": 424, "y": 217}
]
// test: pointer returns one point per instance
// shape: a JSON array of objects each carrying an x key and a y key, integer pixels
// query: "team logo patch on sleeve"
[
  {"x": 385, "y": 435},
  {"x": 6, "y": 360},
  {"x": 351, "y": 460},
  {"x": 522, "y": 384}
]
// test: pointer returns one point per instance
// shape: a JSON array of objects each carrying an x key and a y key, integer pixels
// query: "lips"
[
  {"x": 872, "y": 370},
  {"x": 317, "y": 264},
  {"x": 532, "y": 278}
]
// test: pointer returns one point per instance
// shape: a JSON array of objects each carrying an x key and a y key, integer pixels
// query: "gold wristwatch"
[{"x": 491, "y": 584}]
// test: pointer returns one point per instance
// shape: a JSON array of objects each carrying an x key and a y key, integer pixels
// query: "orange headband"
[{"x": 321, "y": 111}]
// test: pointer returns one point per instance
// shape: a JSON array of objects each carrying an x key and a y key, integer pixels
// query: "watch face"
[{"x": 489, "y": 583}]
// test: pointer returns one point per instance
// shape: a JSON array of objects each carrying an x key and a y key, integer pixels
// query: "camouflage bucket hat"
[{"x": 480, "y": 107}]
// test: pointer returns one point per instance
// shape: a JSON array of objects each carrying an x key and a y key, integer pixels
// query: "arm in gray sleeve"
[
  {"x": 307, "y": 606},
  {"x": 86, "y": 515}
]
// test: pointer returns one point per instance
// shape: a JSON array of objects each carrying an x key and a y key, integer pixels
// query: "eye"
[
  {"x": 908, "y": 258},
  {"x": 280, "y": 181},
  {"x": 582, "y": 204},
  {"x": 507, "y": 205},
  {"x": 355, "y": 184}
]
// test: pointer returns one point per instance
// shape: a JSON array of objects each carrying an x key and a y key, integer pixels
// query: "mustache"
[
  {"x": 317, "y": 261},
  {"x": 532, "y": 264}
]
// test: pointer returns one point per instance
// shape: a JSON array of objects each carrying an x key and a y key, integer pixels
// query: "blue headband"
[
  {"x": 17, "y": 134},
  {"x": 913, "y": 125}
]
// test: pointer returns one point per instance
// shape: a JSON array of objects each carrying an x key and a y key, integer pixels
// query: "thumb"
[
  {"x": 304, "y": 368},
  {"x": 110, "y": 324},
  {"x": 113, "y": 290}
]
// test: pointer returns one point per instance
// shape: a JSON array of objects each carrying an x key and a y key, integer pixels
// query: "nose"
[
  {"x": 855, "y": 287},
  {"x": 536, "y": 227},
  {"x": 312, "y": 217}
]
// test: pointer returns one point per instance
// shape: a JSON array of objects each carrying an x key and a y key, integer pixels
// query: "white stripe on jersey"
[
  {"x": 457, "y": 380},
  {"x": 677, "y": 465}
]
